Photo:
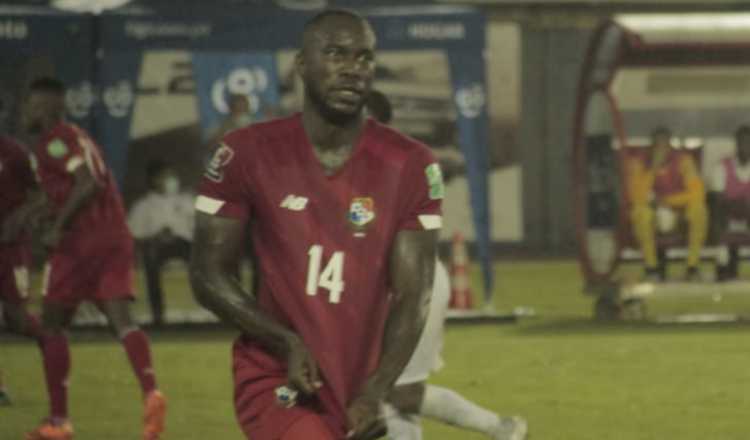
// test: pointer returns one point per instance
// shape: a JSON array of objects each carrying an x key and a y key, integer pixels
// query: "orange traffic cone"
[{"x": 461, "y": 297}]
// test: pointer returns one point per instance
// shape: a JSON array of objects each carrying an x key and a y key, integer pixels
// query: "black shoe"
[
  {"x": 653, "y": 275},
  {"x": 693, "y": 274},
  {"x": 5, "y": 398},
  {"x": 725, "y": 273}
]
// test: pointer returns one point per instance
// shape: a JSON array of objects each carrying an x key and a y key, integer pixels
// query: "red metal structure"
[{"x": 690, "y": 72}]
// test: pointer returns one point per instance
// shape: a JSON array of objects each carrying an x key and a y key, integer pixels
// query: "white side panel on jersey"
[
  {"x": 208, "y": 205},
  {"x": 74, "y": 163}
]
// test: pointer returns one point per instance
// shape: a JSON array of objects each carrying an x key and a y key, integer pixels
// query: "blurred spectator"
[
  {"x": 730, "y": 188},
  {"x": 162, "y": 223},
  {"x": 451, "y": 161},
  {"x": 663, "y": 186},
  {"x": 239, "y": 116}
]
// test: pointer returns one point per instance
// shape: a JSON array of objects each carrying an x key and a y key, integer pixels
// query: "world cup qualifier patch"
[
  {"x": 57, "y": 148},
  {"x": 435, "y": 181},
  {"x": 215, "y": 168}
]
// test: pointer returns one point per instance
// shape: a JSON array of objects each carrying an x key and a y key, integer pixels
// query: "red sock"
[
  {"x": 56, "y": 358},
  {"x": 33, "y": 327},
  {"x": 137, "y": 347}
]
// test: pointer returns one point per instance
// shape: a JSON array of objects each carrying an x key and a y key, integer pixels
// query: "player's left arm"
[
  {"x": 412, "y": 267},
  {"x": 695, "y": 189}
]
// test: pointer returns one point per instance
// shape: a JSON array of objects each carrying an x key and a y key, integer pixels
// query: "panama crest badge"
[{"x": 361, "y": 212}]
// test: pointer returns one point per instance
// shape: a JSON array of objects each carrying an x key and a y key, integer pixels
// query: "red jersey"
[
  {"x": 668, "y": 179},
  {"x": 56, "y": 156},
  {"x": 15, "y": 176},
  {"x": 323, "y": 242}
]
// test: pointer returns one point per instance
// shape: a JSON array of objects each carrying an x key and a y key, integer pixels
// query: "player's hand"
[
  {"x": 364, "y": 419},
  {"x": 11, "y": 228},
  {"x": 51, "y": 237},
  {"x": 302, "y": 370}
]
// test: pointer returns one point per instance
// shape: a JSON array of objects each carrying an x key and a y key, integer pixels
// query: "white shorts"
[{"x": 427, "y": 356}]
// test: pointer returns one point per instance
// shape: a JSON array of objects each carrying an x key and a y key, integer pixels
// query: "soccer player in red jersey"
[
  {"x": 343, "y": 215},
  {"x": 16, "y": 185},
  {"x": 90, "y": 254}
]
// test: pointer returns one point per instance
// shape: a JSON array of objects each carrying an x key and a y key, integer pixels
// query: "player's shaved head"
[
  {"x": 47, "y": 84},
  {"x": 742, "y": 131},
  {"x": 44, "y": 105},
  {"x": 337, "y": 64},
  {"x": 329, "y": 17}
]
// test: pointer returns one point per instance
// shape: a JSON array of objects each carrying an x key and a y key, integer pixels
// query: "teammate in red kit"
[
  {"x": 344, "y": 214},
  {"x": 90, "y": 254},
  {"x": 16, "y": 185}
]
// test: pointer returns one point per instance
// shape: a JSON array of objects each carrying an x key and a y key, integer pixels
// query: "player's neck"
[{"x": 327, "y": 136}]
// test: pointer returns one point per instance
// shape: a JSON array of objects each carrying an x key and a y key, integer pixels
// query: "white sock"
[
  {"x": 401, "y": 426},
  {"x": 449, "y": 407}
]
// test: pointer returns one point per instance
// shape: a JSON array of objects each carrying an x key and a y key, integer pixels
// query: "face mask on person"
[
  {"x": 242, "y": 120},
  {"x": 171, "y": 185}
]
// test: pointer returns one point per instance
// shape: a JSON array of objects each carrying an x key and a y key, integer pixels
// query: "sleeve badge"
[{"x": 215, "y": 168}]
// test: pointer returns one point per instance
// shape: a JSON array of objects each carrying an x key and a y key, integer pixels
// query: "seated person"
[
  {"x": 162, "y": 223},
  {"x": 666, "y": 181},
  {"x": 730, "y": 188}
]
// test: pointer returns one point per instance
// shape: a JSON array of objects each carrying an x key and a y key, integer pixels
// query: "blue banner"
[
  {"x": 221, "y": 75},
  {"x": 470, "y": 97},
  {"x": 40, "y": 43},
  {"x": 118, "y": 76}
]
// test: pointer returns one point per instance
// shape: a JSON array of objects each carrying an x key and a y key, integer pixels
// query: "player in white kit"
[{"x": 413, "y": 398}]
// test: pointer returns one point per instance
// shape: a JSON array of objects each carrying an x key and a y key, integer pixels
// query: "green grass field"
[{"x": 573, "y": 378}]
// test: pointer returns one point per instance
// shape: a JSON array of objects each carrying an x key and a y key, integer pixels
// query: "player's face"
[
  {"x": 661, "y": 140},
  {"x": 337, "y": 66},
  {"x": 743, "y": 147},
  {"x": 37, "y": 110}
]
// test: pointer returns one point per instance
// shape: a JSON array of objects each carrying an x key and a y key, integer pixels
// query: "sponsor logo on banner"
[
  {"x": 245, "y": 81},
  {"x": 142, "y": 30},
  {"x": 470, "y": 100},
  {"x": 118, "y": 98},
  {"x": 215, "y": 168},
  {"x": 79, "y": 99},
  {"x": 361, "y": 212},
  {"x": 13, "y": 30},
  {"x": 305, "y": 5},
  {"x": 437, "y": 31}
]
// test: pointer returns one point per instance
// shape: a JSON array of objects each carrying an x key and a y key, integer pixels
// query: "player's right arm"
[{"x": 221, "y": 219}]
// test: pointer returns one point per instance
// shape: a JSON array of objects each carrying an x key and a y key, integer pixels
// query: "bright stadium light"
[{"x": 94, "y": 6}]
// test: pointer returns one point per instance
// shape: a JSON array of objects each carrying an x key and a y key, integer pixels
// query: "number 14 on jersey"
[{"x": 332, "y": 276}]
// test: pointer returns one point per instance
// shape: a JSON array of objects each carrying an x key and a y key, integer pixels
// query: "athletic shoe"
[
  {"x": 52, "y": 430},
  {"x": 510, "y": 428},
  {"x": 692, "y": 274},
  {"x": 154, "y": 415},
  {"x": 5, "y": 398},
  {"x": 653, "y": 275}
]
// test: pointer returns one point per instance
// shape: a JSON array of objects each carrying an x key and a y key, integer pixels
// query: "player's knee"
[
  {"x": 641, "y": 215},
  {"x": 408, "y": 398},
  {"x": 55, "y": 320},
  {"x": 14, "y": 318}
]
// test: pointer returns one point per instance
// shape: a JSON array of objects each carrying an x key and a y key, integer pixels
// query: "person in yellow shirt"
[{"x": 661, "y": 185}]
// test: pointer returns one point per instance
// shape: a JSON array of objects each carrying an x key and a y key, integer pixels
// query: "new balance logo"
[{"x": 294, "y": 203}]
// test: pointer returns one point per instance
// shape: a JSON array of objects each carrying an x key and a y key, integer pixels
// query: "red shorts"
[
  {"x": 14, "y": 273},
  {"x": 260, "y": 415},
  {"x": 104, "y": 273}
]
